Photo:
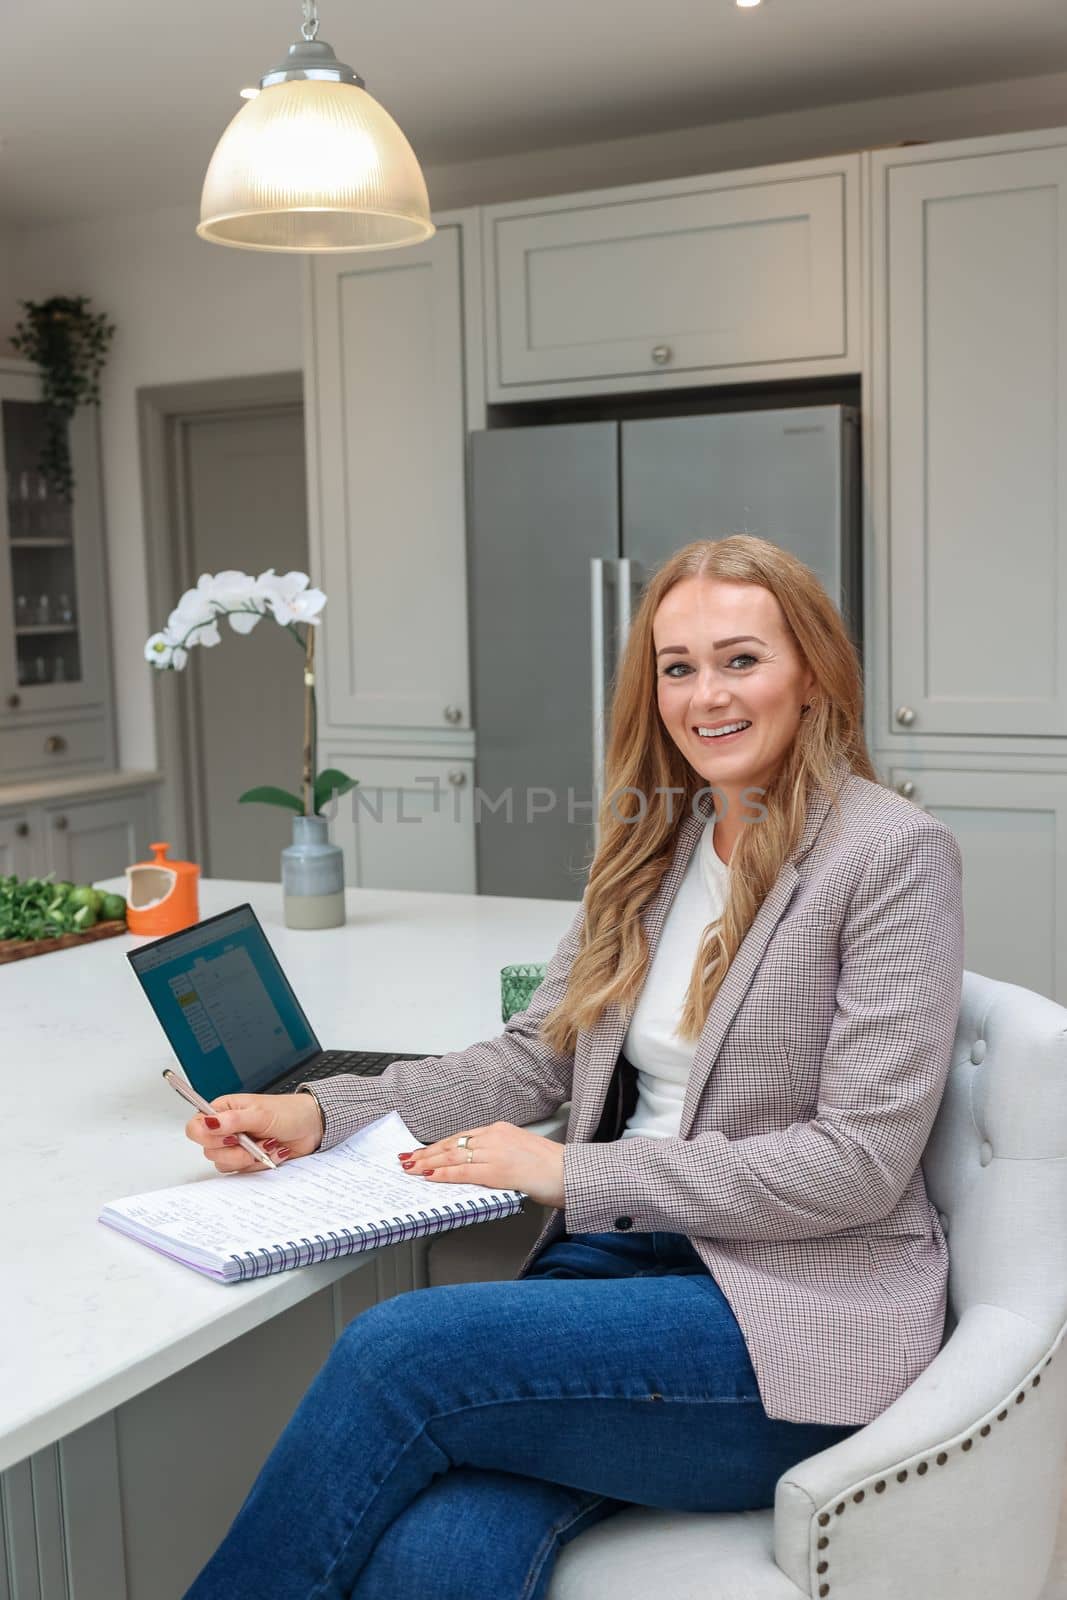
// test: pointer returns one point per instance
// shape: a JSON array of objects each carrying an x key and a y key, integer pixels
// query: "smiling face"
[{"x": 724, "y": 654}]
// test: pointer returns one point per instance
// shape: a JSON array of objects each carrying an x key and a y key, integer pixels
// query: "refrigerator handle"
[
  {"x": 598, "y": 570},
  {"x": 630, "y": 580}
]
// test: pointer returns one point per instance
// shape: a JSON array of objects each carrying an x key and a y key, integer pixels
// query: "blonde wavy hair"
[{"x": 637, "y": 830}]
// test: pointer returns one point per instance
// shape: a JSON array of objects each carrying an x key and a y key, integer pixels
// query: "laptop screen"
[{"x": 225, "y": 1004}]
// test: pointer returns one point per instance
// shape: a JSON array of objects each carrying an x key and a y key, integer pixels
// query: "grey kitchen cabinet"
[
  {"x": 79, "y": 837},
  {"x": 409, "y": 824},
  {"x": 1011, "y": 824},
  {"x": 55, "y": 673},
  {"x": 16, "y": 848},
  {"x": 391, "y": 389},
  {"x": 968, "y": 454},
  {"x": 95, "y": 839},
  {"x": 393, "y": 383},
  {"x": 735, "y": 277}
]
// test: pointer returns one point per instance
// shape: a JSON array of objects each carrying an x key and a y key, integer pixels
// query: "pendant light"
[{"x": 313, "y": 162}]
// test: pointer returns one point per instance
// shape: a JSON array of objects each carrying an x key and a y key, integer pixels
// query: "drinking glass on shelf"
[
  {"x": 41, "y": 669},
  {"x": 22, "y": 611},
  {"x": 22, "y": 522},
  {"x": 59, "y": 673},
  {"x": 64, "y": 609},
  {"x": 44, "y": 610},
  {"x": 43, "y": 510}
]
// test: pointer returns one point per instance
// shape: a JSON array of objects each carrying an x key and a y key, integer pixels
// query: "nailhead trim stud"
[{"x": 902, "y": 1477}]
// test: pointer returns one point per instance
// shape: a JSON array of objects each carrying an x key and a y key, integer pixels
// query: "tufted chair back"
[{"x": 996, "y": 1162}]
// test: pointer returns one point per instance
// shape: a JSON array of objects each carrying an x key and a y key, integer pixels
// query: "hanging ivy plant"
[{"x": 69, "y": 343}]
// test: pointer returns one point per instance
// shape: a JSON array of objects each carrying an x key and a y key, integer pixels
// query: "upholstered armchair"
[{"x": 955, "y": 1491}]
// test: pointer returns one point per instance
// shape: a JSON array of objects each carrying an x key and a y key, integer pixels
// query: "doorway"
[{"x": 225, "y": 488}]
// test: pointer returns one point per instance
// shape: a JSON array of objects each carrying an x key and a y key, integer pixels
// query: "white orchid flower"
[
  {"x": 159, "y": 650},
  {"x": 189, "y": 627},
  {"x": 289, "y": 597},
  {"x": 241, "y": 598},
  {"x": 234, "y": 594}
]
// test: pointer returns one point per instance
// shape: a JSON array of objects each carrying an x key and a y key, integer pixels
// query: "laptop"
[{"x": 230, "y": 1013}]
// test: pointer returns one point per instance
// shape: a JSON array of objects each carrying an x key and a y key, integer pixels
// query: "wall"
[{"x": 187, "y": 310}]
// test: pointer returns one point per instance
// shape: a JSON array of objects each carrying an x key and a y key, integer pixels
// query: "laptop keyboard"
[{"x": 364, "y": 1063}]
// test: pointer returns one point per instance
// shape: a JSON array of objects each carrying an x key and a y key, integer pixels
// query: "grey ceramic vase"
[{"x": 313, "y": 877}]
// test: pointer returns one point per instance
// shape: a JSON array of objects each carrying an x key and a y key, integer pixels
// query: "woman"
[{"x": 752, "y": 1015}]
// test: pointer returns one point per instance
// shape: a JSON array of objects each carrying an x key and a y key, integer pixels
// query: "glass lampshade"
[{"x": 314, "y": 165}]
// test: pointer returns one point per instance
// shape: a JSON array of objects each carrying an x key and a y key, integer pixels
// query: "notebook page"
[{"x": 356, "y": 1183}]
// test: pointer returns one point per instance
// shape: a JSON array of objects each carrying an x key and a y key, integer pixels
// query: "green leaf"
[
  {"x": 269, "y": 796},
  {"x": 331, "y": 782}
]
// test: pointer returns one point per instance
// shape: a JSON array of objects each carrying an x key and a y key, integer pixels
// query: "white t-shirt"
[{"x": 663, "y": 1060}]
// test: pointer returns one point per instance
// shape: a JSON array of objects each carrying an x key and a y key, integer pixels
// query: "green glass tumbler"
[{"x": 517, "y": 986}]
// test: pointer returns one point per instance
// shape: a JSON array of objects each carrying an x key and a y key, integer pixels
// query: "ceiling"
[{"x": 106, "y": 106}]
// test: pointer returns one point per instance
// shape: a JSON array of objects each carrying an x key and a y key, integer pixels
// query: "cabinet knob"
[
  {"x": 906, "y": 788},
  {"x": 905, "y": 716},
  {"x": 457, "y": 777},
  {"x": 55, "y": 744},
  {"x": 61, "y": 824},
  {"x": 453, "y": 714},
  {"x": 661, "y": 354},
  {"x": 22, "y": 830},
  {"x": 14, "y": 701}
]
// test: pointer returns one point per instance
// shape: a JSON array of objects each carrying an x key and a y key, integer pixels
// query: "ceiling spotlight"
[{"x": 744, "y": 5}]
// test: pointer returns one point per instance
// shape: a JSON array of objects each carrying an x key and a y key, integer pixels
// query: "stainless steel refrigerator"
[{"x": 568, "y": 520}]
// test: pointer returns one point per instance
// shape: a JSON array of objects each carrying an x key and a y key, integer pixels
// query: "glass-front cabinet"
[{"x": 55, "y": 692}]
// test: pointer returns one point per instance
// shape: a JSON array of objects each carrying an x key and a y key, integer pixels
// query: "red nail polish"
[
  {"x": 404, "y": 1155},
  {"x": 213, "y": 1122},
  {"x": 429, "y": 1172},
  {"x": 229, "y": 1139}
]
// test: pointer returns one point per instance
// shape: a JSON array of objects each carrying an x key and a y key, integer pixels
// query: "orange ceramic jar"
[{"x": 162, "y": 896}]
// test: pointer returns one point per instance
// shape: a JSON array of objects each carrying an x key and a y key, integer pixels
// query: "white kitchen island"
[{"x": 124, "y": 1376}]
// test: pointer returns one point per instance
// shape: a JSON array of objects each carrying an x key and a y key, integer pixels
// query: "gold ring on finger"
[
  {"x": 463, "y": 1141},
  {"x": 470, "y": 1155}
]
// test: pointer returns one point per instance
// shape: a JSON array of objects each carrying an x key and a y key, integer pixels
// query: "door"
[
  {"x": 544, "y": 506},
  {"x": 245, "y": 510},
  {"x": 789, "y": 476}
]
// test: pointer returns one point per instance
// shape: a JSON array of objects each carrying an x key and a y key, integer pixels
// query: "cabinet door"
[
  {"x": 976, "y": 366},
  {"x": 387, "y": 463},
  {"x": 408, "y": 825},
  {"x": 17, "y": 843},
  {"x": 93, "y": 839},
  {"x": 1012, "y": 830},
  {"x": 733, "y": 277}
]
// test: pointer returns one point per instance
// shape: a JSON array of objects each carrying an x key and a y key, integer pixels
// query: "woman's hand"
[
  {"x": 505, "y": 1157},
  {"x": 284, "y": 1124}
]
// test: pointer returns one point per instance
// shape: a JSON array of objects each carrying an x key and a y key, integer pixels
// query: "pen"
[{"x": 194, "y": 1099}]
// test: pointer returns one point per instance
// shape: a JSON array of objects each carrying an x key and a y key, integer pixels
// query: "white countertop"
[{"x": 92, "y": 1318}]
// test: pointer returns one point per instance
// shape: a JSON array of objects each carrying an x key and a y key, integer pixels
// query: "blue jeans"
[{"x": 457, "y": 1437}]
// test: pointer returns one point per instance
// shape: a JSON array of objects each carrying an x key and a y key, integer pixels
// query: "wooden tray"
[{"x": 19, "y": 949}]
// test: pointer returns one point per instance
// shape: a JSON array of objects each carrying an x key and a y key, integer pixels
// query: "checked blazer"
[{"x": 816, "y": 1081}]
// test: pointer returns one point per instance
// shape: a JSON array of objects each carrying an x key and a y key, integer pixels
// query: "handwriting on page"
[{"x": 358, "y": 1183}]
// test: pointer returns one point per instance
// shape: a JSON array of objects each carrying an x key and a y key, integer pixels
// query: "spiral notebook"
[{"x": 333, "y": 1203}]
